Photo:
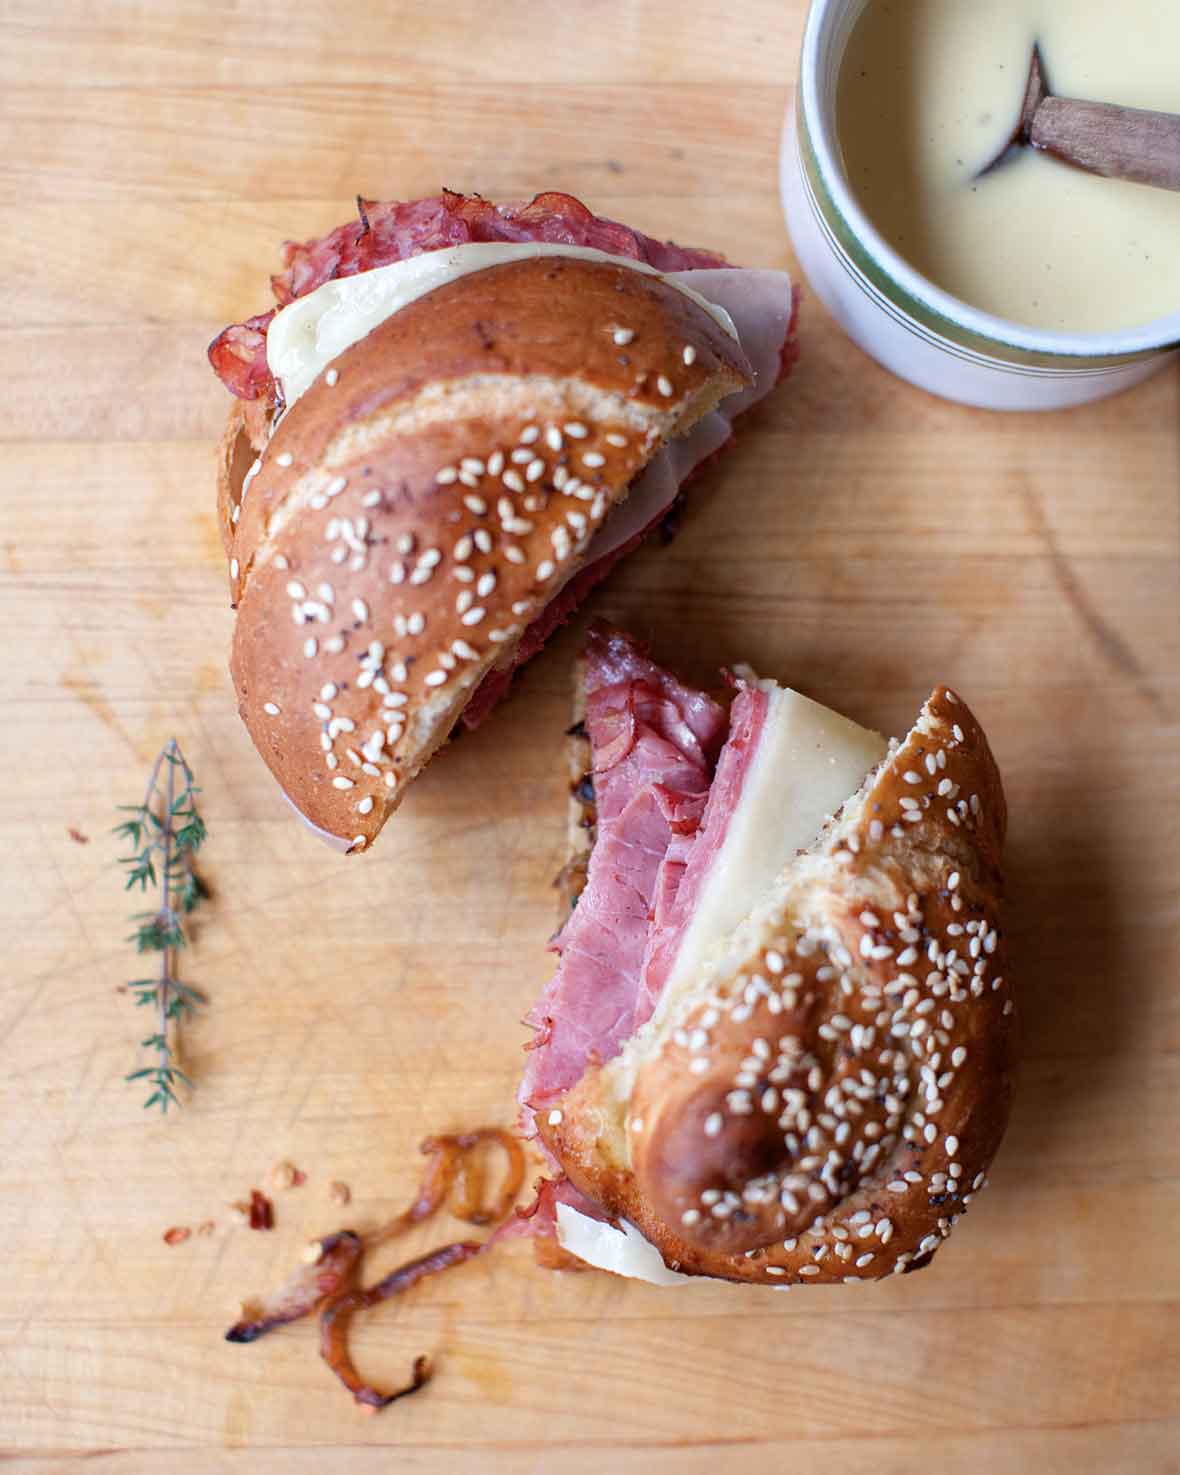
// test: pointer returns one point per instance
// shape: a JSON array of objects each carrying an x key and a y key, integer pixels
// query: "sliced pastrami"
[
  {"x": 654, "y": 743},
  {"x": 747, "y": 720}
]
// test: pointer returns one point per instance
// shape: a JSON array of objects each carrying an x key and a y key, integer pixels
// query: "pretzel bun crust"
[
  {"x": 426, "y": 497},
  {"x": 824, "y": 1102}
]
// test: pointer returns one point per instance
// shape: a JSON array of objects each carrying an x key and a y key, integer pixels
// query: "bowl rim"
[{"x": 1159, "y": 333}]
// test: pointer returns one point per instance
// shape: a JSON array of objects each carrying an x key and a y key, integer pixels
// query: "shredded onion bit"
[{"x": 329, "y": 1282}]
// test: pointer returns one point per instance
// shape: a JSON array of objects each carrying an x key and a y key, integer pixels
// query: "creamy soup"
[{"x": 929, "y": 92}]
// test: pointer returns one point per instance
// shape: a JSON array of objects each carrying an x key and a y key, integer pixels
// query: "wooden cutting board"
[{"x": 862, "y": 542}]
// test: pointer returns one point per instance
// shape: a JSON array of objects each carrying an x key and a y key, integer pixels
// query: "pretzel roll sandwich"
[
  {"x": 778, "y": 1044},
  {"x": 459, "y": 418}
]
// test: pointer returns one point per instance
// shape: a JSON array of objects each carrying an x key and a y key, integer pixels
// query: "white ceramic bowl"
[{"x": 899, "y": 317}]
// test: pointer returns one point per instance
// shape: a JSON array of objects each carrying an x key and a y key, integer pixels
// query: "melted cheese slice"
[
  {"x": 809, "y": 760},
  {"x": 307, "y": 334},
  {"x": 621, "y": 1251}
]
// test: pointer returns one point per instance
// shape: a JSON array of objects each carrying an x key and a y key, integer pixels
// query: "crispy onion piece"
[
  {"x": 329, "y": 1275},
  {"x": 328, "y": 1283},
  {"x": 336, "y": 1318}
]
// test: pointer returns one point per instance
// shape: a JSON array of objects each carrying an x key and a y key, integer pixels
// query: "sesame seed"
[
  {"x": 713, "y": 1124},
  {"x": 332, "y": 378},
  {"x": 545, "y": 569},
  {"x": 340, "y": 782},
  {"x": 336, "y": 486},
  {"x": 593, "y": 459},
  {"x": 809, "y": 1270},
  {"x": 310, "y": 647},
  {"x": 360, "y": 609},
  {"x": 476, "y": 505},
  {"x": 446, "y": 476},
  {"x": 553, "y": 438},
  {"x": 435, "y": 678},
  {"x": 623, "y": 336},
  {"x": 365, "y": 805},
  {"x": 691, "y": 1216},
  {"x": 514, "y": 554},
  {"x": 473, "y": 616},
  {"x": 528, "y": 435},
  {"x": 473, "y": 465},
  {"x": 515, "y": 482},
  {"x": 485, "y": 584},
  {"x": 271, "y": 708},
  {"x": 416, "y": 623}
]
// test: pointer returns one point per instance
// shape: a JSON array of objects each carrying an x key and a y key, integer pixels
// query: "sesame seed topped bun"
[
  {"x": 418, "y": 506},
  {"x": 818, "y": 1098}
]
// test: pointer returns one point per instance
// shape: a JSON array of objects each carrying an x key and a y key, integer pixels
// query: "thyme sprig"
[{"x": 165, "y": 832}]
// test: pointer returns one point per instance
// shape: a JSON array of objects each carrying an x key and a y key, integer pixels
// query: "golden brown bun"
[
  {"x": 424, "y": 499},
  {"x": 823, "y": 1106}
]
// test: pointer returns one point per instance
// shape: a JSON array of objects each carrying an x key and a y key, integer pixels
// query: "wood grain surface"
[{"x": 862, "y": 542}]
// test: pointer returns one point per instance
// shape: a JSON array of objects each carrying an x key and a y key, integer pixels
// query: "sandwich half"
[
  {"x": 777, "y": 1046},
  {"x": 457, "y": 420}
]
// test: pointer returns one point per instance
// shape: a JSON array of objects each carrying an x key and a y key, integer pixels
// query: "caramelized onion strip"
[
  {"x": 337, "y": 1317},
  {"x": 328, "y": 1276}
]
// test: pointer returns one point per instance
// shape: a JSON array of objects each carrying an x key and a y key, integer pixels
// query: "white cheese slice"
[
  {"x": 809, "y": 760},
  {"x": 306, "y": 335},
  {"x": 622, "y": 1251}
]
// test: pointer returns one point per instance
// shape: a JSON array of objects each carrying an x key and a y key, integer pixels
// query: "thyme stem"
[{"x": 165, "y": 830}]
